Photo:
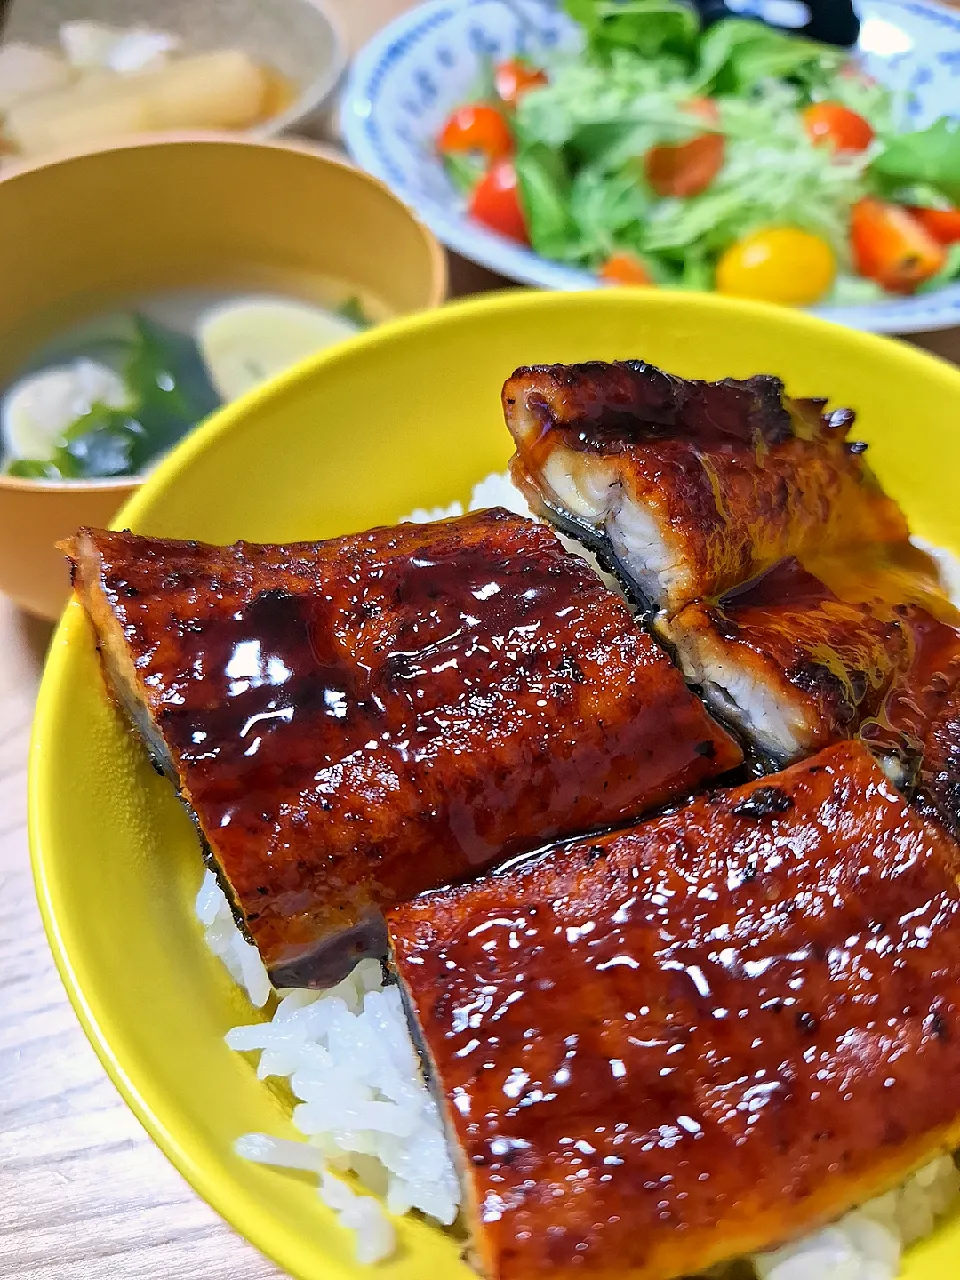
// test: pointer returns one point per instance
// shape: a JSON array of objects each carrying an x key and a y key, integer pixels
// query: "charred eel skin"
[{"x": 696, "y": 486}]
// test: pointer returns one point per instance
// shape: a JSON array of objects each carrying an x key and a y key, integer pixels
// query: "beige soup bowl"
[{"x": 86, "y": 233}]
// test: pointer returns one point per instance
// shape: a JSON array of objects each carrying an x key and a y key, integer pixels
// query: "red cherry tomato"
[
  {"x": 496, "y": 202},
  {"x": 477, "y": 128},
  {"x": 687, "y": 168},
  {"x": 831, "y": 124},
  {"x": 513, "y": 78},
  {"x": 624, "y": 268},
  {"x": 892, "y": 247},
  {"x": 942, "y": 224}
]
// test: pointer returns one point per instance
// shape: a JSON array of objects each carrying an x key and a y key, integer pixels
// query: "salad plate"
[{"x": 407, "y": 81}]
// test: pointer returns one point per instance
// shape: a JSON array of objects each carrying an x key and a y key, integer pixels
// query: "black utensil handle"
[{"x": 832, "y": 21}]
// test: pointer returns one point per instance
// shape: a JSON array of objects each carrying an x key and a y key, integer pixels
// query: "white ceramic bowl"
[
  {"x": 405, "y": 82},
  {"x": 299, "y": 38}
]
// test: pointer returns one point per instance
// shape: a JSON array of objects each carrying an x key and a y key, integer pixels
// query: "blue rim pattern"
[{"x": 408, "y": 59}]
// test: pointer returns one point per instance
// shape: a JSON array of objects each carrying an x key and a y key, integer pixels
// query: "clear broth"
[{"x": 99, "y": 337}]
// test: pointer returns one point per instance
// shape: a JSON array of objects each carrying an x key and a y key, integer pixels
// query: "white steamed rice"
[{"x": 363, "y": 1106}]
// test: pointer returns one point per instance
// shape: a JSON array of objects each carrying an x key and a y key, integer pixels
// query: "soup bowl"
[{"x": 192, "y": 211}]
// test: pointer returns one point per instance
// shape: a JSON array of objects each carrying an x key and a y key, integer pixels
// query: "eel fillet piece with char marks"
[
  {"x": 693, "y": 487},
  {"x": 698, "y": 1038},
  {"x": 800, "y": 658},
  {"x": 354, "y": 721},
  {"x": 938, "y": 780},
  {"x": 917, "y": 729}
]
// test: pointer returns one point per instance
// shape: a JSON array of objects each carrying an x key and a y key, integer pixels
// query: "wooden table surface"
[{"x": 83, "y": 1191}]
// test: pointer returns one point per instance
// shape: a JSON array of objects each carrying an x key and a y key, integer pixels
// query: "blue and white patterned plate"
[{"x": 406, "y": 81}]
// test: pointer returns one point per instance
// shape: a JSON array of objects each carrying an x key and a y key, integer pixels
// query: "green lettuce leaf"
[
  {"x": 855, "y": 291},
  {"x": 735, "y": 54},
  {"x": 948, "y": 273},
  {"x": 608, "y": 211},
  {"x": 930, "y": 157},
  {"x": 545, "y": 199},
  {"x": 33, "y": 469},
  {"x": 464, "y": 171},
  {"x": 651, "y": 28}
]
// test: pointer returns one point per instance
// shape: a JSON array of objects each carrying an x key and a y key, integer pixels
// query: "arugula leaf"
[
  {"x": 545, "y": 199},
  {"x": 736, "y": 53},
  {"x": 464, "y": 170},
  {"x": 650, "y": 28},
  {"x": 697, "y": 271},
  {"x": 921, "y": 195},
  {"x": 930, "y": 157},
  {"x": 608, "y": 210},
  {"x": 948, "y": 273},
  {"x": 855, "y": 291}
]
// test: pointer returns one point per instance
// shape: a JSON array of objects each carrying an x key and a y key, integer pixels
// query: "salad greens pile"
[{"x": 580, "y": 140}]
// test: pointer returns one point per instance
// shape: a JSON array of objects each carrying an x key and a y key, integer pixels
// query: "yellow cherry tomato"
[{"x": 778, "y": 264}]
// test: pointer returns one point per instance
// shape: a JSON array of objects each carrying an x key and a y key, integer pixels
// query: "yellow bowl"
[
  {"x": 196, "y": 210},
  {"x": 406, "y": 416}
]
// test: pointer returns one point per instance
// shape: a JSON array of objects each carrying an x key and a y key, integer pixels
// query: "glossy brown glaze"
[
  {"x": 917, "y": 728},
  {"x": 697, "y": 1038},
  {"x": 890, "y": 573},
  {"x": 939, "y": 771},
  {"x": 726, "y": 478},
  {"x": 797, "y": 664},
  {"x": 356, "y": 720}
]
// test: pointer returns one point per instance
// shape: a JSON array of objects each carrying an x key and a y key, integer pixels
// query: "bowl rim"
[
  {"x": 316, "y": 94},
  {"x": 324, "y": 152},
  {"x": 93, "y": 1014}
]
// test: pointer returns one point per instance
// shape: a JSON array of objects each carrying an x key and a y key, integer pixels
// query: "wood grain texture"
[{"x": 83, "y": 1190}]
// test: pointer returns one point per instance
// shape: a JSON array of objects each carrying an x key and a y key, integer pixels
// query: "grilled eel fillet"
[
  {"x": 692, "y": 487},
  {"x": 357, "y": 720},
  {"x": 917, "y": 729},
  {"x": 801, "y": 657},
  {"x": 698, "y": 1038}
]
